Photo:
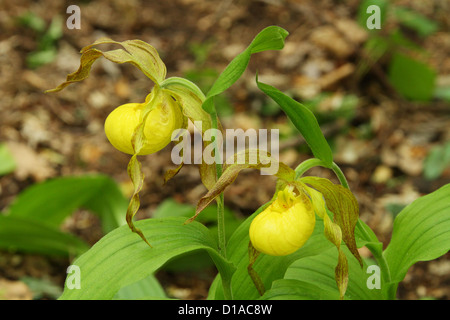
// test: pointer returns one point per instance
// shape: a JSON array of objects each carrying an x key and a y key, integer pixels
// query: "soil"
[{"x": 381, "y": 147}]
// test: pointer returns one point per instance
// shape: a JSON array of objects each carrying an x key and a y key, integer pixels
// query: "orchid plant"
[{"x": 302, "y": 244}]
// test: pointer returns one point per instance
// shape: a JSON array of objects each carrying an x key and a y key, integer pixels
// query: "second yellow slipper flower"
[{"x": 284, "y": 226}]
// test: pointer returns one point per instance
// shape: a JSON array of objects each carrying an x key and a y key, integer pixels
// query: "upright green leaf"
[
  {"x": 270, "y": 38},
  {"x": 120, "y": 258},
  {"x": 421, "y": 233},
  {"x": 304, "y": 120}
]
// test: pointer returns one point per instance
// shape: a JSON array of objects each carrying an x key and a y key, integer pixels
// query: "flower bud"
[
  {"x": 162, "y": 120},
  {"x": 284, "y": 226}
]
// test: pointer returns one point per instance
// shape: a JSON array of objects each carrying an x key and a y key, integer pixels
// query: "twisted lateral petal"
[{"x": 137, "y": 52}]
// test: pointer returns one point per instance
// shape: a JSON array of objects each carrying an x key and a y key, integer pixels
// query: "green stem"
[
  {"x": 226, "y": 282},
  {"x": 340, "y": 175},
  {"x": 220, "y": 199},
  {"x": 314, "y": 162},
  {"x": 306, "y": 165}
]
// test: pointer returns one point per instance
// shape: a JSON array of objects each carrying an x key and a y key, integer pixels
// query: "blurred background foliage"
[{"x": 381, "y": 96}]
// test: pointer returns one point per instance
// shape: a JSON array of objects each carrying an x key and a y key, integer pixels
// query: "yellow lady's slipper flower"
[
  {"x": 284, "y": 226},
  {"x": 162, "y": 120}
]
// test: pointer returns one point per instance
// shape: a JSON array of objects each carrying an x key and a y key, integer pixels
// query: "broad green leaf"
[
  {"x": 147, "y": 288},
  {"x": 172, "y": 208},
  {"x": 120, "y": 258},
  {"x": 304, "y": 120},
  {"x": 198, "y": 259},
  {"x": 270, "y": 38},
  {"x": 50, "y": 202},
  {"x": 7, "y": 162},
  {"x": 137, "y": 52},
  {"x": 344, "y": 206},
  {"x": 269, "y": 268},
  {"x": 365, "y": 236},
  {"x": 27, "y": 235},
  {"x": 318, "y": 270},
  {"x": 413, "y": 79},
  {"x": 312, "y": 277},
  {"x": 421, "y": 232},
  {"x": 291, "y": 289}
]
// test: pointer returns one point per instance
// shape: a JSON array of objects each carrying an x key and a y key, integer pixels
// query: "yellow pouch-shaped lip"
[
  {"x": 284, "y": 226},
  {"x": 162, "y": 120}
]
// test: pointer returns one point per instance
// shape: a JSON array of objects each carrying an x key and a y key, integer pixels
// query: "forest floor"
[{"x": 381, "y": 144}]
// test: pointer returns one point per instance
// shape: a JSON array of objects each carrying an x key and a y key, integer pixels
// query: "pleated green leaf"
[
  {"x": 318, "y": 270},
  {"x": 421, "y": 233},
  {"x": 120, "y": 258},
  {"x": 291, "y": 289},
  {"x": 148, "y": 288}
]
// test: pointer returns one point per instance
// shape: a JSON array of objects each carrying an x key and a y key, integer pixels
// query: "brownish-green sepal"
[
  {"x": 136, "y": 52},
  {"x": 334, "y": 235},
  {"x": 248, "y": 159},
  {"x": 344, "y": 206},
  {"x": 172, "y": 172}
]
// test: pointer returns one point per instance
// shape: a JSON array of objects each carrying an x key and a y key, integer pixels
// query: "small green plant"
[
  {"x": 408, "y": 70},
  {"x": 302, "y": 244},
  {"x": 47, "y": 38},
  {"x": 7, "y": 162}
]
